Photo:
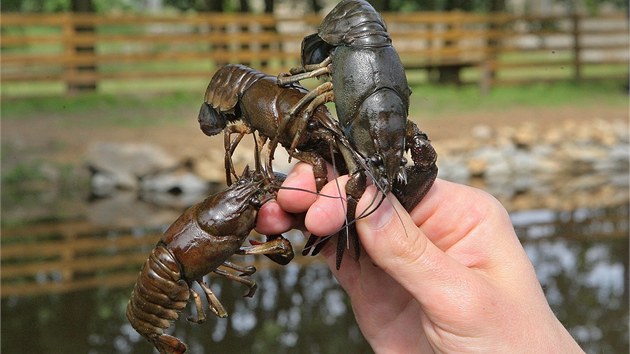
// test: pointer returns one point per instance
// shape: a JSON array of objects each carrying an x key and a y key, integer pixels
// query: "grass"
[
  {"x": 137, "y": 110},
  {"x": 97, "y": 109},
  {"x": 434, "y": 101}
]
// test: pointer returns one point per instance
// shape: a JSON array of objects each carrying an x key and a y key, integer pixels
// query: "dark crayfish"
[
  {"x": 371, "y": 95},
  {"x": 252, "y": 101},
  {"x": 199, "y": 242}
]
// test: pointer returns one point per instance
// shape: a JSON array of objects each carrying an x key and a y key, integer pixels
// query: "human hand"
[{"x": 450, "y": 276}]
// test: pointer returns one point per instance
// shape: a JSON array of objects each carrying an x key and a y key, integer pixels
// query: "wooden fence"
[{"x": 57, "y": 53}]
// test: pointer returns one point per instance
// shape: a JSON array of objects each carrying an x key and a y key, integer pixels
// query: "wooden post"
[
  {"x": 577, "y": 48},
  {"x": 82, "y": 7},
  {"x": 493, "y": 44},
  {"x": 268, "y": 29},
  {"x": 449, "y": 73}
]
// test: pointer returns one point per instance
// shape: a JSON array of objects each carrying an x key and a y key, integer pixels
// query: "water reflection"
[
  {"x": 299, "y": 309},
  {"x": 66, "y": 283},
  {"x": 581, "y": 259}
]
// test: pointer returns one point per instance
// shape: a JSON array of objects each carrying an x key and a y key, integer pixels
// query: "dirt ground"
[{"x": 65, "y": 139}]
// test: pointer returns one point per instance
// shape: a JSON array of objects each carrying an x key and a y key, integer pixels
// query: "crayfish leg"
[
  {"x": 247, "y": 270},
  {"x": 201, "y": 314},
  {"x": 251, "y": 285},
  {"x": 323, "y": 94},
  {"x": 318, "y": 94},
  {"x": 306, "y": 72},
  {"x": 230, "y": 146},
  {"x": 213, "y": 301}
]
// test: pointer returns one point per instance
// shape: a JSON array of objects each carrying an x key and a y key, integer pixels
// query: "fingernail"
[{"x": 381, "y": 217}]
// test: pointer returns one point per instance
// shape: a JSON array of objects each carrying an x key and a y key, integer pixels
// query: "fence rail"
[{"x": 65, "y": 52}]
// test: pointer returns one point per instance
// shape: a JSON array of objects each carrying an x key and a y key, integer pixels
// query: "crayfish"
[
  {"x": 199, "y": 242},
  {"x": 371, "y": 95}
]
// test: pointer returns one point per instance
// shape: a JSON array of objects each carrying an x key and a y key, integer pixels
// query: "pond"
[{"x": 68, "y": 266}]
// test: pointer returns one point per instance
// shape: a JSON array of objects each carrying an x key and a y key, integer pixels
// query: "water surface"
[{"x": 67, "y": 273}]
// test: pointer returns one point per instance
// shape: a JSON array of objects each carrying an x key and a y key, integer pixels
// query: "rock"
[
  {"x": 179, "y": 182},
  {"x": 477, "y": 167},
  {"x": 128, "y": 159},
  {"x": 604, "y": 134},
  {"x": 209, "y": 170},
  {"x": 495, "y": 160},
  {"x": 123, "y": 209},
  {"x": 620, "y": 128},
  {"x": 525, "y": 136},
  {"x": 105, "y": 183},
  {"x": 553, "y": 137},
  {"x": 454, "y": 169},
  {"x": 482, "y": 133}
]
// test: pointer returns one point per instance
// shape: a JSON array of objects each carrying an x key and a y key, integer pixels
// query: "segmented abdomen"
[
  {"x": 158, "y": 296},
  {"x": 228, "y": 83}
]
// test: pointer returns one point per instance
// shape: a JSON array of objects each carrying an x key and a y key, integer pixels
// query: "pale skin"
[{"x": 448, "y": 277}]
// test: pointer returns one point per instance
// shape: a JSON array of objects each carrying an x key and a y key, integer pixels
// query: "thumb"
[{"x": 400, "y": 248}]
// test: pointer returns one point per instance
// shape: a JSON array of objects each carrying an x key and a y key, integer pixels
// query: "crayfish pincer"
[
  {"x": 371, "y": 95},
  {"x": 199, "y": 242}
]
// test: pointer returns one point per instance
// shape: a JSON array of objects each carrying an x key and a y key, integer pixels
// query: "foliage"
[
  {"x": 65, "y": 5},
  {"x": 233, "y": 5}
]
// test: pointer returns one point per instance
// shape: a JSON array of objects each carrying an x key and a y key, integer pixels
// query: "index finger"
[{"x": 298, "y": 190}]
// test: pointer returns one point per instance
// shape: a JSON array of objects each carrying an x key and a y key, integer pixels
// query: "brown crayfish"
[{"x": 199, "y": 242}]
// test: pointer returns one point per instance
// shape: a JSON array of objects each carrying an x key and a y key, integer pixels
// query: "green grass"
[
  {"x": 106, "y": 110},
  {"x": 433, "y": 101},
  {"x": 141, "y": 109}
]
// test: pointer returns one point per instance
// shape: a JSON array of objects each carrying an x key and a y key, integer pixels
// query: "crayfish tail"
[{"x": 167, "y": 344}]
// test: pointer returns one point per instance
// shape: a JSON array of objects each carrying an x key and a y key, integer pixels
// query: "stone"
[
  {"x": 106, "y": 183},
  {"x": 495, "y": 159},
  {"x": 525, "y": 136},
  {"x": 482, "y": 132},
  {"x": 454, "y": 169},
  {"x": 209, "y": 170},
  {"x": 603, "y": 133},
  {"x": 178, "y": 182},
  {"x": 129, "y": 158},
  {"x": 123, "y": 209},
  {"x": 477, "y": 167}
]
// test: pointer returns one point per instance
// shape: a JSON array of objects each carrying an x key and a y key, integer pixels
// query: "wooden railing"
[{"x": 59, "y": 52}]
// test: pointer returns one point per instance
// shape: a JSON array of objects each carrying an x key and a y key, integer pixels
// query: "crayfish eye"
[
  {"x": 312, "y": 125},
  {"x": 376, "y": 160},
  {"x": 255, "y": 202}
]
